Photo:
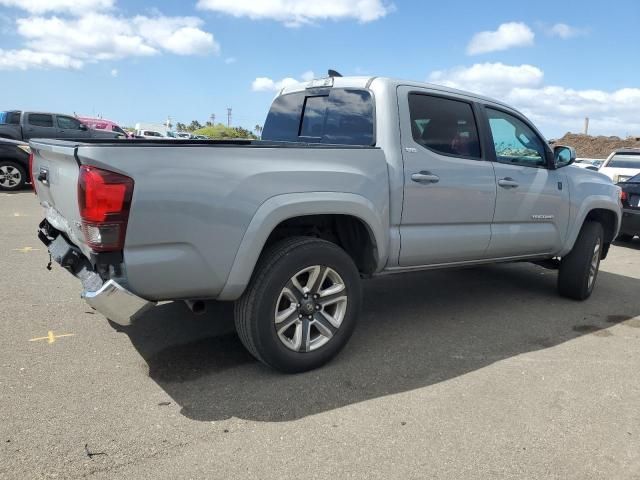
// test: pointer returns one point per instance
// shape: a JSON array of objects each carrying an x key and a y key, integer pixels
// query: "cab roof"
[{"x": 364, "y": 82}]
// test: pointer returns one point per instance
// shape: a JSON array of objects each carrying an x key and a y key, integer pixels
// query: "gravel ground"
[{"x": 471, "y": 373}]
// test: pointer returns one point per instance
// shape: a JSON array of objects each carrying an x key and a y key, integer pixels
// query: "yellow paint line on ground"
[
  {"x": 26, "y": 249},
  {"x": 51, "y": 338}
]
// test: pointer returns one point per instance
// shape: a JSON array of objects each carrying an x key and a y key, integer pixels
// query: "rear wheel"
[
  {"x": 301, "y": 306},
  {"x": 12, "y": 176},
  {"x": 579, "y": 269}
]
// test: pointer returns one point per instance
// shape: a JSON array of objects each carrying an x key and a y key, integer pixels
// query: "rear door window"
[
  {"x": 40, "y": 120},
  {"x": 339, "y": 116},
  {"x": 444, "y": 125}
]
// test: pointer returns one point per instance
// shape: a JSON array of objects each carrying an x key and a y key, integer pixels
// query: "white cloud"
[
  {"x": 555, "y": 109},
  {"x": 25, "y": 59},
  {"x": 564, "y": 31},
  {"x": 68, "y": 6},
  {"x": 491, "y": 79},
  {"x": 508, "y": 35},
  {"x": 298, "y": 12},
  {"x": 308, "y": 76},
  {"x": 114, "y": 72},
  {"x": 266, "y": 84},
  {"x": 101, "y": 36}
]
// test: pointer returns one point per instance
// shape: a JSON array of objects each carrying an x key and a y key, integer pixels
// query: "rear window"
[
  {"x": 335, "y": 116},
  {"x": 621, "y": 160},
  {"x": 40, "y": 120}
]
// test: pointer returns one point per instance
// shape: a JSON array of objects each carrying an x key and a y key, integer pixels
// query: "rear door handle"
[
  {"x": 425, "y": 177},
  {"x": 508, "y": 182}
]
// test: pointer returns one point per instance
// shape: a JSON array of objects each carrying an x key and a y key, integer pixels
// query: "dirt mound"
[{"x": 596, "y": 147}]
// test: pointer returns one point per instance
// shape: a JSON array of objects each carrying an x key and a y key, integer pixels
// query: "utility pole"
[
  {"x": 586, "y": 125},
  {"x": 229, "y": 117},
  {"x": 212, "y": 117}
]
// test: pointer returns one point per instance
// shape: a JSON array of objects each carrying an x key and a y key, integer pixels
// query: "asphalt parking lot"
[{"x": 475, "y": 373}]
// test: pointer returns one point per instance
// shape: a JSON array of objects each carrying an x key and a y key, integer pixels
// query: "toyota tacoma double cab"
[{"x": 354, "y": 177}]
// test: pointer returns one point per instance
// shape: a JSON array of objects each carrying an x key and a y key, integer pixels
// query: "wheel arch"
[
  {"x": 353, "y": 215},
  {"x": 600, "y": 211}
]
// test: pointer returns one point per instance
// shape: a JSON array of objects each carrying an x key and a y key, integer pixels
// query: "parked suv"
[
  {"x": 355, "y": 177},
  {"x": 622, "y": 164}
]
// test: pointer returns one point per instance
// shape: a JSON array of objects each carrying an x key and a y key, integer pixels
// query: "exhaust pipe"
[{"x": 196, "y": 306}]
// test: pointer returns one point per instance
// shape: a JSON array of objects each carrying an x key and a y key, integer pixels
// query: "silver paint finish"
[{"x": 201, "y": 214}]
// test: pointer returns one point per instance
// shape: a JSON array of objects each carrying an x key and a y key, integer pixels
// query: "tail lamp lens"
[
  {"x": 33, "y": 184},
  {"x": 104, "y": 198}
]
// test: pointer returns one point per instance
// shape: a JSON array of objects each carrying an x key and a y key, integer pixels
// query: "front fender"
[
  {"x": 283, "y": 207},
  {"x": 594, "y": 202}
]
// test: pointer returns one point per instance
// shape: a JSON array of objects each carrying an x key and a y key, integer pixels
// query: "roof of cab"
[{"x": 364, "y": 82}]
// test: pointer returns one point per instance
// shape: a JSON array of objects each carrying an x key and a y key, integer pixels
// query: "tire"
[
  {"x": 579, "y": 268},
  {"x": 12, "y": 176},
  {"x": 273, "y": 317},
  {"x": 624, "y": 237}
]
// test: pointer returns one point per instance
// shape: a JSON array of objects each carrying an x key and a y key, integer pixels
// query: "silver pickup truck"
[{"x": 355, "y": 177}]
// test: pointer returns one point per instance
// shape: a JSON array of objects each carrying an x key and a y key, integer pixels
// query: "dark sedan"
[
  {"x": 630, "y": 208},
  {"x": 14, "y": 164}
]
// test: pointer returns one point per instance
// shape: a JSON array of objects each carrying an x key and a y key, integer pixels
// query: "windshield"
[
  {"x": 635, "y": 179},
  {"x": 622, "y": 160},
  {"x": 12, "y": 118}
]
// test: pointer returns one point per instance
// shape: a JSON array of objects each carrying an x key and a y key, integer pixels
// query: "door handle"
[
  {"x": 425, "y": 177},
  {"x": 508, "y": 182}
]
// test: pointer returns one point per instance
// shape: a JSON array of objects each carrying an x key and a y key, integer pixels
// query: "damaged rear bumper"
[
  {"x": 116, "y": 302},
  {"x": 108, "y": 297}
]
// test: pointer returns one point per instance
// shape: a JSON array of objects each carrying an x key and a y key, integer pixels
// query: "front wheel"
[
  {"x": 579, "y": 269},
  {"x": 301, "y": 305}
]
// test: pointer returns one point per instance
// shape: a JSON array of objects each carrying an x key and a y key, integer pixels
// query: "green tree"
[
  {"x": 221, "y": 131},
  {"x": 194, "y": 125}
]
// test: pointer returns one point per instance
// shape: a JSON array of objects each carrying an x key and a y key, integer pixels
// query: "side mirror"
[
  {"x": 83, "y": 127},
  {"x": 563, "y": 156}
]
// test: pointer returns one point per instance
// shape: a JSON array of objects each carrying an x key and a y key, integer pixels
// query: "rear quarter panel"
[{"x": 192, "y": 205}]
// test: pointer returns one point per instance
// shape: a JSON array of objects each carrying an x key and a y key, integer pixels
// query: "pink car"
[{"x": 102, "y": 124}]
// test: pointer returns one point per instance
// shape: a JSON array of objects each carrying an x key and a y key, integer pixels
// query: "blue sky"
[{"x": 143, "y": 60}]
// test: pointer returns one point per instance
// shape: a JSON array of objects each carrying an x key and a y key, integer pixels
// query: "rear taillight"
[
  {"x": 104, "y": 198},
  {"x": 623, "y": 196},
  {"x": 33, "y": 184}
]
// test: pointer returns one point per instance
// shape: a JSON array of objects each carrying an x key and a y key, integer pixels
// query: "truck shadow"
[{"x": 416, "y": 330}]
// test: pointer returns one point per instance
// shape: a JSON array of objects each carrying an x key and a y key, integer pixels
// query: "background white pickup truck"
[{"x": 354, "y": 177}]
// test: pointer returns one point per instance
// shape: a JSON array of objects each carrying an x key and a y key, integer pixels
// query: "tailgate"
[{"x": 55, "y": 174}]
